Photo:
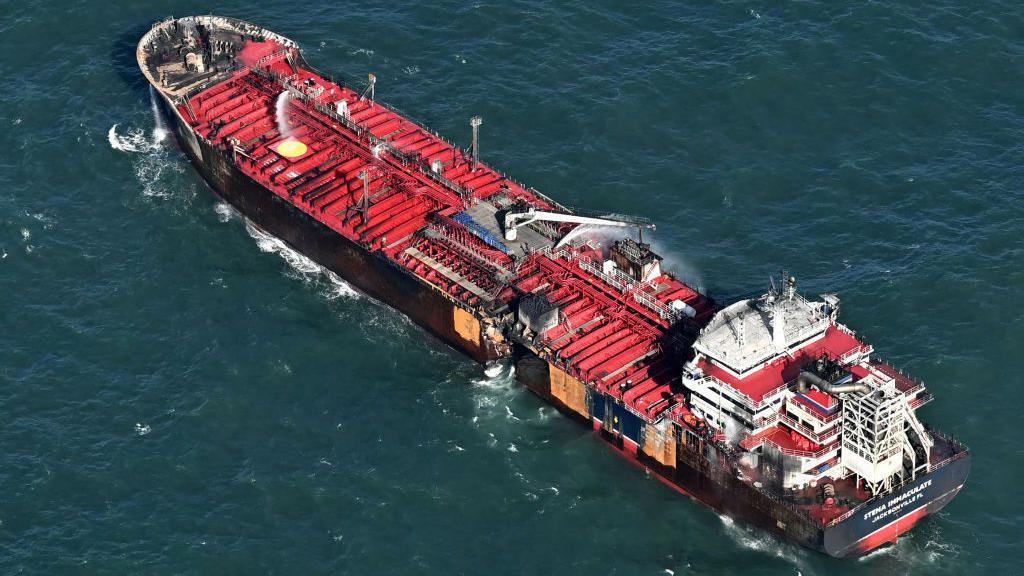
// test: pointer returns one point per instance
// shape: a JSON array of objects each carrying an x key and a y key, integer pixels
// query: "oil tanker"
[{"x": 768, "y": 409}]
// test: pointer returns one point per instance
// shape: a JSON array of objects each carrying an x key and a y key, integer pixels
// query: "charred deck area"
[{"x": 182, "y": 55}]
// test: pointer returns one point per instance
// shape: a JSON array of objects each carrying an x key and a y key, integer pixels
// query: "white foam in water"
[
  {"x": 152, "y": 163},
  {"x": 308, "y": 270},
  {"x": 152, "y": 171},
  {"x": 224, "y": 211},
  {"x": 132, "y": 140},
  {"x": 911, "y": 554},
  {"x": 498, "y": 376},
  {"x": 135, "y": 139},
  {"x": 498, "y": 381},
  {"x": 494, "y": 370},
  {"x": 877, "y": 552},
  {"x": 760, "y": 541},
  {"x": 493, "y": 390},
  {"x": 744, "y": 538}
]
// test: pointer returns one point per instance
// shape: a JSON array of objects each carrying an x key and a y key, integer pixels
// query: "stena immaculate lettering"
[{"x": 898, "y": 503}]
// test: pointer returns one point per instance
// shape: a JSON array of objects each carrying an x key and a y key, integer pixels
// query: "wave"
[
  {"x": 133, "y": 140},
  {"x": 498, "y": 376},
  {"x": 304, "y": 268},
  {"x": 911, "y": 553},
  {"x": 225, "y": 212},
  {"x": 498, "y": 382},
  {"x": 152, "y": 161},
  {"x": 494, "y": 392},
  {"x": 760, "y": 541}
]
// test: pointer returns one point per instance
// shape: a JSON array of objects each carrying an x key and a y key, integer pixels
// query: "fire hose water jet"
[{"x": 281, "y": 112}]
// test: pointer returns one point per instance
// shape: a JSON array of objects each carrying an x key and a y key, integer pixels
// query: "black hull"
[
  {"x": 882, "y": 521},
  {"x": 370, "y": 272}
]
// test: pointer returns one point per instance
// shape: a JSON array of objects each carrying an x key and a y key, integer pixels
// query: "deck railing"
[
  {"x": 806, "y": 430},
  {"x": 961, "y": 452},
  {"x": 624, "y": 284}
]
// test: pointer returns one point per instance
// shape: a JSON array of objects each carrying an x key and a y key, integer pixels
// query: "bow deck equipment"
[{"x": 768, "y": 409}]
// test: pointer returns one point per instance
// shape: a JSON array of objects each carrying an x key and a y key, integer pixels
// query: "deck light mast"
[{"x": 475, "y": 122}]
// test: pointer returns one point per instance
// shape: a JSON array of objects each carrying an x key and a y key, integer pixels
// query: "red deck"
[
  {"x": 817, "y": 402},
  {"x": 387, "y": 201}
]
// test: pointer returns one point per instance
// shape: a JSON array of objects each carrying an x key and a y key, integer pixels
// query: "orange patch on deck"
[{"x": 291, "y": 148}]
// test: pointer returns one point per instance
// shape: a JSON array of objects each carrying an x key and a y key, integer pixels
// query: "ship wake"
[
  {"x": 910, "y": 554},
  {"x": 152, "y": 161},
  {"x": 760, "y": 541},
  {"x": 299, "y": 265}
]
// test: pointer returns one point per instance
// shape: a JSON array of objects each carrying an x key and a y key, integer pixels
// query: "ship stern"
[{"x": 882, "y": 521}]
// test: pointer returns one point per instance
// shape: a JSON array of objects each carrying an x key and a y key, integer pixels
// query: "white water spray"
[
  {"x": 151, "y": 158},
  {"x": 159, "y": 129},
  {"x": 577, "y": 231},
  {"x": 280, "y": 112},
  {"x": 134, "y": 139}
]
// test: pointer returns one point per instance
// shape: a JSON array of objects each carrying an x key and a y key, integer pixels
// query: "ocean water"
[{"x": 182, "y": 394}]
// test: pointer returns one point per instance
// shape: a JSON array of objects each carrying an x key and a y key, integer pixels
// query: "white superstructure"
[{"x": 782, "y": 380}]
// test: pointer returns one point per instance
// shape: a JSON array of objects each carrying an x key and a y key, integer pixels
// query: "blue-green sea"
[{"x": 182, "y": 394}]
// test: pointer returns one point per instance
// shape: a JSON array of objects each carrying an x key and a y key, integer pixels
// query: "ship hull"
[
  {"x": 882, "y": 522},
  {"x": 680, "y": 457},
  {"x": 699, "y": 471},
  {"x": 367, "y": 271}
]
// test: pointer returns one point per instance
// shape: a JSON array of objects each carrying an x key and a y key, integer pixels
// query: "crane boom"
[{"x": 516, "y": 219}]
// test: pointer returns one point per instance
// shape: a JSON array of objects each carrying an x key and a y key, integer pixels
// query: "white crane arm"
[{"x": 515, "y": 219}]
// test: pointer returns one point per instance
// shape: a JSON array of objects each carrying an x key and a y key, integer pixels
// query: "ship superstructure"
[
  {"x": 767, "y": 409},
  {"x": 803, "y": 400}
]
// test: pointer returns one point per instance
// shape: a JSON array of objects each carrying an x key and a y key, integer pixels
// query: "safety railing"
[
  {"x": 625, "y": 284},
  {"x": 806, "y": 430},
  {"x": 961, "y": 452}
]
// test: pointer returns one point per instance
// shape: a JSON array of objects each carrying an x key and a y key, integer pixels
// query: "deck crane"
[{"x": 515, "y": 218}]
